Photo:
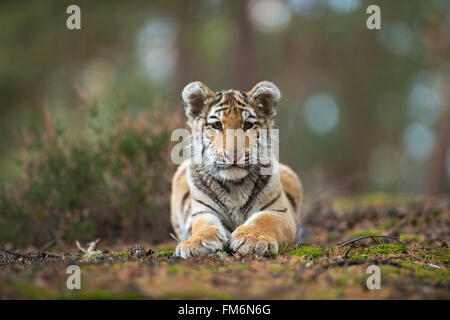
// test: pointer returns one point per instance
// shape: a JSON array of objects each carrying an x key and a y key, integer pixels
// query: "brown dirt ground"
[{"x": 416, "y": 268}]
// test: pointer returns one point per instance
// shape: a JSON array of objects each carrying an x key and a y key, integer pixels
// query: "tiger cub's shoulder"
[{"x": 291, "y": 186}]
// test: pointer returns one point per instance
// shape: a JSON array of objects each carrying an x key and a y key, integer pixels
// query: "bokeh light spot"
[
  {"x": 321, "y": 113},
  {"x": 419, "y": 141},
  {"x": 269, "y": 15},
  {"x": 156, "y": 48},
  {"x": 302, "y": 7},
  {"x": 344, "y": 6},
  {"x": 425, "y": 100},
  {"x": 397, "y": 38}
]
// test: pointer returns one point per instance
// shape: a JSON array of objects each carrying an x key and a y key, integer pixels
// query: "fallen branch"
[
  {"x": 353, "y": 241},
  {"x": 36, "y": 255},
  {"x": 15, "y": 253},
  {"x": 48, "y": 245},
  {"x": 52, "y": 255},
  {"x": 348, "y": 251}
]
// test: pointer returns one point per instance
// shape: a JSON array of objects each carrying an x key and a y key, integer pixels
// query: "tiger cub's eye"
[
  {"x": 217, "y": 125},
  {"x": 248, "y": 125}
]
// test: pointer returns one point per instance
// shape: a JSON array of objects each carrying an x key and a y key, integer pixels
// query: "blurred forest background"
[{"x": 86, "y": 115}]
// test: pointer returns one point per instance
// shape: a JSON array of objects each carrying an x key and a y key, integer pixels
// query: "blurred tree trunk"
[
  {"x": 437, "y": 182},
  {"x": 185, "y": 70},
  {"x": 243, "y": 59}
]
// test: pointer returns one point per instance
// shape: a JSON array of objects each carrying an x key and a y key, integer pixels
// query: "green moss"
[
  {"x": 164, "y": 254},
  {"x": 173, "y": 269},
  {"x": 239, "y": 266},
  {"x": 386, "y": 248},
  {"x": 92, "y": 256},
  {"x": 371, "y": 199},
  {"x": 438, "y": 255},
  {"x": 122, "y": 255},
  {"x": 307, "y": 251},
  {"x": 434, "y": 274},
  {"x": 285, "y": 250},
  {"x": 271, "y": 254},
  {"x": 419, "y": 271},
  {"x": 163, "y": 247},
  {"x": 364, "y": 233},
  {"x": 371, "y": 251},
  {"x": 409, "y": 237},
  {"x": 221, "y": 255}
]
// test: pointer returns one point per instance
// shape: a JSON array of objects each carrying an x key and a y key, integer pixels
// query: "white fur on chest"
[{"x": 235, "y": 197}]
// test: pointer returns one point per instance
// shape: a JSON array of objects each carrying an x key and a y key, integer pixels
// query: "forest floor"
[{"x": 414, "y": 261}]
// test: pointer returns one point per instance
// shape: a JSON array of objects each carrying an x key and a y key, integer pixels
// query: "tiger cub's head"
[{"x": 228, "y": 125}]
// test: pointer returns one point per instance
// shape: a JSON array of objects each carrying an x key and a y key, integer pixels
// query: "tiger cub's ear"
[
  {"x": 194, "y": 96},
  {"x": 266, "y": 96}
]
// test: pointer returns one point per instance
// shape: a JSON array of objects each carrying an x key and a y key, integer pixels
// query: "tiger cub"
[{"x": 227, "y": 198}]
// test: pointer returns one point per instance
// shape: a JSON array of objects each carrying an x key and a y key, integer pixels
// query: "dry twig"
[
  {"x": 91, "y": 247},
  {"x": 353, "y": 241},
  {"x": 48, "y": 245},
  {"x": 36, "y": 255}
]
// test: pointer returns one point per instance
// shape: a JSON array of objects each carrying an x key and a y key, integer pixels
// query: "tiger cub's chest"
[{"x": 244, "y": 199}]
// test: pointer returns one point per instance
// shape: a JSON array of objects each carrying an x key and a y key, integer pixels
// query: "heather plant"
[{"x": 106, "y": 176}]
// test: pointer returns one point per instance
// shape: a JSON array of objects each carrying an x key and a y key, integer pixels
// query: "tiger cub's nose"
[{"x": 232, "y": 158}]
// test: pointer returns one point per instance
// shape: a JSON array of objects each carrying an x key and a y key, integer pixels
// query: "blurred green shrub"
[{"x": 106, "y": 176}]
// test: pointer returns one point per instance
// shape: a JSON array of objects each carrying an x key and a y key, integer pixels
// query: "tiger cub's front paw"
[
  {"x": 204, "y": 242},
  {"x": 247, "y": 239}
]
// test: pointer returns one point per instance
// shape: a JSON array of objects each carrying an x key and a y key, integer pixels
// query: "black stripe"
[
  {"x": 291, "y": 200},
  {"x": 207, "y": 205},
  {"x": 200, "y": 184},
  {"x": 223, "y": 185},
  {"x": 185, "y": 196},
  {"x": 279, "y": 210},
  {"x": 260, "y": 183},
  {"x": 217, "y": 98},
  {"x": 206, "y": 189},
  {"x": 223, "y": 108},
  {"x": 222, "y": 218},
  {"x": 271, "y": 202},
  {"x": 200, "y": 212},
  {"x": 242, "y": 180}
]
